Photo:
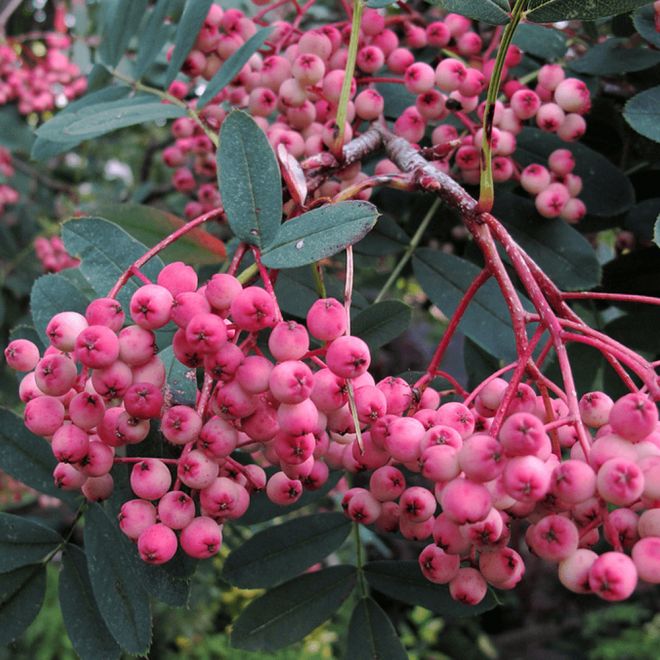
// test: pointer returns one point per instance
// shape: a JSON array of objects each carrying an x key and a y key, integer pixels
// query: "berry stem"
[
  {"x": 268, "y": 282},
  {"x": 359, "y": 562}
]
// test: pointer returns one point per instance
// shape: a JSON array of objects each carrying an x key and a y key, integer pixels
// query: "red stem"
[
  {"x": 616, "y": 297},
  {"x": 237, "y": 258},
  {"x": 268, "y": 283}
]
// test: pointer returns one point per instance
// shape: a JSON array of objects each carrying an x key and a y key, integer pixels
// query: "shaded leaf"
[
  {"x": 22, "y": 593},
  {"x": 403, "y": 581},
  {"x": 121, "y": 21},
  {"x": 562, "y": 252},
  {"x": 27, "y": 457},
  {"x": 606, "y": 191},
  {"x": 150, "y": 225},
  {"x": 642, "y": 217},
  {"x": 385, "y": 238},
  {"x": 551, "y": 11},
  {"x": 638, "y": 330},
  {"x": 231, "y": 67},
  {"x": 644, "y": 21},
  {"x": 289, "y": 612},
  {"x": 122, "y": 601},
  {"x": 152, "y": 38},
  {"x": 445, "y": 279},
  {"x": 249, "y": 180},
  {"x": 381, "y": 322},
  {"x": 371, "y": 635},
  {"x": 281, "y": 552},
  {"x": 16, "y": 134},
  {"x": 642, "y": 112},
  {"x": 614, "y": 56},
  {"x": 319, "y": 233},
  {"x": 83, "y": 621},
  {"x": 545, "y": 42},
  {"x": 24, "y": 542},
  {"x": 495, "y": 12},
  {"x": 396, "y": 98},
  {"x": 656, "y": 232},
  {"x": 190, "y": 23}
]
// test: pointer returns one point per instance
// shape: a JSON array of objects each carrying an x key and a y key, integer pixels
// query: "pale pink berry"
[
  {"x": 419, "y": 78},
  {"x": 573, "y": 481},
  {"x": 387, "y": 483},
  {"x": 157, "y": 544},
  {"x": 363, "y": 508},
  {"x": 410, "y": 125},
  {"x": 437, "y": 566},
  {"x": 136, "y": 345},
  {"x": 291, "y": 381},
  {"x": 253, "y": 373},
  {"x": 150, "y": 479},
  {"x": 22, "y": 355},
  {"x": 525, "y": 103},
  {"x": 224, "y": 363},
  {"x": 404, "y": 435},
  {"x": 369, "y": 104},
  {"x": 298, "y": 418},
  {"x": 502, "y": 567},
  {"x": 136, "y": 516},
  {"x": 526, "y": 478},
  {"x": 551, "y": 201},
  {"x": 613, "y": 576},
  {"x": 282, "y": 490},
  {"x": 105, "y": 311},
  {"x": 468, "y": 586},
  {"x": 523, "y": 434},
  {"x": 181, "y": 424},
  {"x": 98, "y": 460},
  {"x": 150, "y": 306},
  {"x": 143, "y": 400},
  {"x": 201, "y": 538},
  {"x": 97, "y": 347},
  {"x": 649, "y": 523},
  {"x": 196, "y": 470},
  {"x": 553, "y": 538},
  {"x": 535, "y": 178},
  {"x": 633, "y": 416},
  {"x": 465, "y": 501},
  {"x": 572, "y": 128},
  {"x": 574, "y": 210},
  {"x": 572, "y": 95},
  {"x": 64, "y": 328},
  {"x": 55, "y": 375},
  {"x": 67, "y": 477},
  {"x": 457, "y": 416},
  {"x": 112, "y": 382},
  {"x": 417, "y": 504},
  {"x": 398, "y": 394},
  {"x": 620, "y": 481},
  {"x": 186, "y": 305},
  {"x": 44, "y": 415},
  {"x": 646, "y": 556},
  {"x": 253, "y": 309},
  {"x": 348, "y": 357},
  {"x": 69, "y": 443},
  {"x": 97, "y": 489},
  {"x": 450, "y": 74},
  {"x": 399, "y": 59},
  {"x": 574, "y": 570},
  {"x": 550, "y": 117},
  {"x": 595, "y": 409},
  {"x": 224, "y": 499}
]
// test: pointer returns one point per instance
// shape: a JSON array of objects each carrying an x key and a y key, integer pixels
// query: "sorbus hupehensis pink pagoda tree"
[{"x": 182, "y": 380}]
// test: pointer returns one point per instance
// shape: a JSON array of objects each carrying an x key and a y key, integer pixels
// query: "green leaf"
[
  {"x": 181, "y": 380},
  {"x": 545, "y": 42},
  {"x": 50, "y": 295},
  {"x": 385, "y": 238},
  {"x": 83, "y": 621},
  {"x": 16, "y": 134},
  {"x": 379, "y": 4},
  {"x": 105, "y": 251},
  {"x": 381, "y": 322},
  {"x": 606, "y": 191},
  {"x": 22, "y": 593},
  {"x": 562, "y": 252},
  {"x": 281, "y": 552},
  {"x": 403, "y": 581},
  {"x": 122, "y": 601},
  {"x": 445, "y": 278},
  {"x": 479, "y": 364},
  {"x": 644, "y": 21},
  {"x": 27, "y": 457},
  {"x": 320, "y": 233},
  {"x": 551, "y": 11},
  {"x": 495, "y": 12},
  {"x": 396, "y": 98},
  {"x": 249, "y": 180},
  {"x": 638, "y": 329},
  {"x": 24, "y": 542},
  {"x": 262, "y": 509},
  {"x": 641, "y": 218},
  {"x": 121, "y": 22},
  {"x": 656, "y": 232},
  {"x": 230, "y": 68},
  {"x": 191, "y": 21},
  {"x": 371, "y": 635},
  {"x": 289, "y": 612},
  {"x": 150, "y": 225},
  {"x": 642, "y": 112},
  {"x": 614, "y": 56},
  {"x": 152, "y": 38},
  {"x": 91, "y": 121}
]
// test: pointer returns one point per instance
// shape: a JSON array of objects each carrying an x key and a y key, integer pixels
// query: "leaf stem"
[{"x": 359, "y": 560}]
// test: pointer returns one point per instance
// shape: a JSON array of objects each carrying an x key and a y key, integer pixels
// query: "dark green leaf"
[
  {"x": 371, "y": 635},
  {"x": 121, "y": 22},
  {"x": 152, "y": 38},
  {"x": 403, "y": 581},
  {"x": 319, "y": 234},
  {"x": 106, "y": 251},
  {"x": 379, "y": 4},
  {"x": 551, "y": 11},
  {"x": 181, "y": 380},
  {"x": 262, "y": 509},
  {"x": 479, "y": 364},
  {"x": 149, "y": 226},
  {"x": 122, "y": 601},
  {"x": 191, "y": 21},
  {"x": 445, "y": 278},
  {"x": 638, "y": 329},
  {"x": 396, "y": 98},
  {"x": 21, "y": 595},
  {"x": 27, "y": 457},
  {"x": 634, "y": 272},
  {"x": 563, "y": 253},
  {"x": 385, "y": 238},
  {"x": 289, "y": 612},
  {"x": 249, "y": 180},
  {"x": 23, "y": 542},
  {"x": 607, "y": 191},
  {"x": 545, "y": 42},
  {"x": 281, "y": 552},
  {"x": 381, "y": 322},
  {"x": 16, "y": 134},
  {"x": 614, "y": 56},
  {"x": 644, "y": 21},
  {"x": 495, "y": 12},
  {"x": 641, "y": 219},
  {"x": 642, "y": 112},
  {"x": 230, "y": 68},
  {"x": 50, "y": 295},
  {"x": 94, "y": 120},
  {"x": 656, "y": 232},
  {"x": 83, "y": 621}
]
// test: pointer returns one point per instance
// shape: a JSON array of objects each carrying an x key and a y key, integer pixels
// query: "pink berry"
[
  {"x": 348, "y": 357},
  {"x": 620, "y": 481},
  {"x": 136, "y": 345},
  {"x": 450, "y": 74},
  {"x": 136, "y": 516},
  {"x": 150, "y": 479},
  {"x": 44, "y": 415},
  {"x": 468, "y": 586},
  {"x": 201, "y": 538},
  {"x": 633, "y": 416},
  {"x": 63, "y": 329},
  {"x": 288, "y": 341},
  {"x": 554, "y": 538},
  {"x": 574, "y": 570},
  {"x": 253, "y": 309},
  {"x": 97, "y": 489},
  {"x": 613, "y": 576},
  {"x": 69, "y": 443},
  {"x": 97, "y": 347},
  {"x": 157, "y": 544},
  {"x": 150, "y": 306},
  {"x": 22, "y": 355},
  {"x": 464, "y": 501},
  {"x": 572, "y": 95},
  {"x": 646, "y": 556},
  {"x": 105, "y": 311},
  {"x": 437, "y": 566},
  {"x": 180, "y": 425},
  {"x": 55, "y": 375},
  {"x": 67, "y": 477},
  {"x": 502, "y": 567},
  {"x": 282, "y": 490}
]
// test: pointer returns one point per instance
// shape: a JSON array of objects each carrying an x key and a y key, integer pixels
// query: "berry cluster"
[
  {"x": 53, "y": 255},
  {"x": 35, "y": 74},
  {"x": 8, "y": 195},
  {"x": 100, "y": 386},
  {"x": 293, "y": 93}
]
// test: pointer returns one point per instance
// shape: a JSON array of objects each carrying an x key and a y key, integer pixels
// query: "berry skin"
[
  {"x": 196, "y": 470},
  {"x": 633, "y": 416},
  {"x": 646, "y": 556},
  {"x": 69, "y": 444},
  {"x": 177, "y": 277},
  {"x": 55, "y": 375},
  {"x": 464, "y": 501},
  {"x": 22, "y": 355},
  {"x": 613, "y": 576},
  {"x": 143, "y": 400},
  {"x": 136, "y": 345},
  {"x": 291, "y": 381},
  {"x": 150, "y": 306},
  {"x": 97, "y": 489},
  {"x": 67, "y": 477},
  {"x": 574, "y": 570},
  {"x": 157, "y": 544},
  {"x": 348, "y": 357},
  {"x": 253, "y": 309},
  {"x": 437, "y": 566},
  {"x": 63, "y": 329},
  {"x": 554, "y": 538},
  {"x": 201, "y": 538},
  {"x": 206, "y": 332},
  {"x": 44, "y": 415},
  {"x": 136, "y": 516},
  {"x": 105, "y": 311},
  {"x": 150, "y": 479},
  {"x": 288, "y": 341},
  {"x": 326, "y": 319},
  {"x": 282, "y": 490},
  {"x": 180, "y": 425},
  {"x": 450, "y": 74},
  {"x": 97, "y": 347},
  {"x": 468, "y": 586}
]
